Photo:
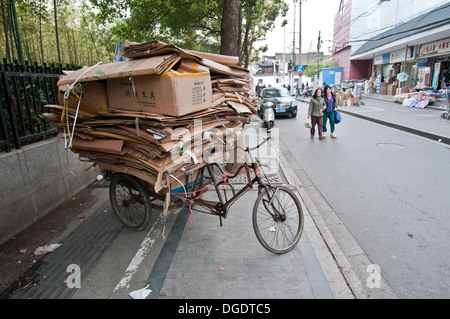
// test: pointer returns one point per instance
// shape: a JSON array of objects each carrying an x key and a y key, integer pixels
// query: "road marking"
[
  {"x": 162, "y": 264},
  {"x": 371, "y": 109},
  {"x": 140, "y": 255}
]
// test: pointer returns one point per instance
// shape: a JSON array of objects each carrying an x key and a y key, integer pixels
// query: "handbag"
[{"x": 337, "y": 117}]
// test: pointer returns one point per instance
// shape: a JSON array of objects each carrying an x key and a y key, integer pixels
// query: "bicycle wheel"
[
  {"x": 278, "y": 219},
  {"x": 130, "y": 201}
]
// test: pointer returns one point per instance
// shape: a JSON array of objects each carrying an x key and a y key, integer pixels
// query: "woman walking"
[
  {"x": 315, "y": 112},
  {"x": 330, "y": 101}
]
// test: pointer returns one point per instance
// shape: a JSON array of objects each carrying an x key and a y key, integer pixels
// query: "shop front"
[
  {"x": 437, "y": 57},
  {"x": 389, "y": 65}
]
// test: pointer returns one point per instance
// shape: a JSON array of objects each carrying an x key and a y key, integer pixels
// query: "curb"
[
  {"x": 432, "y": 136},
  {"x": 429, "y": 135}
]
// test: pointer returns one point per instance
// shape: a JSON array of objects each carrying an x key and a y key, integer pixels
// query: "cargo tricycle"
[{"x": 277, "y": 212}]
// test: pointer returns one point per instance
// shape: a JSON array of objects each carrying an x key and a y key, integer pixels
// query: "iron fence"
[{"x": 24, "y": 92}]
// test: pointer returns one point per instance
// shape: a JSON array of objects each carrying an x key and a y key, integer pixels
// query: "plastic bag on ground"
[
  {"x": 46, "y": 249},
  {"x": 141, "y": 293}
]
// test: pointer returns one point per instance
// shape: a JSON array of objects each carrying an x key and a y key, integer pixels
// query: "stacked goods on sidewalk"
[
  {"x": 420, "y": 99},
  {"x": 387, "y": 87},
  {"x": 419, "y": 96},
  {"x": 154, "y": 115},
  {"x": 347, "y": 98}
]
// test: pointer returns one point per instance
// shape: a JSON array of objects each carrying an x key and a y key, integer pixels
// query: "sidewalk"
[
  {"x": 383, "y": 110},
  {"x": 198, "y": 260}
]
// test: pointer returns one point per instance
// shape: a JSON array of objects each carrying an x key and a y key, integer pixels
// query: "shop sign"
[
  {"x": 422, "y": 63},
  {"x": 437, "y": 47},
  {"x": 399, "y": 55},
  {"x": 382, "y": 59}
]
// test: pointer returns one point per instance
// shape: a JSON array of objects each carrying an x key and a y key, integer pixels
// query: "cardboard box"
[
  {"x": 171, "y": 93},
  {"x": 94, "y": 99},
  {"x": 392, "y": 89},
  {"x": 153, "y": 65}
]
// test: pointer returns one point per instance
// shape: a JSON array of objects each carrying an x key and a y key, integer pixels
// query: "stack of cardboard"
[
  {"x": 369, "y": 85},
  {"x": 347, "y": 98},
  {"x": 158, "y": 116}
]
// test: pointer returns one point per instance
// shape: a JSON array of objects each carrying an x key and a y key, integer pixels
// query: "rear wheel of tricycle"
[{"x": 130, "y": 201}]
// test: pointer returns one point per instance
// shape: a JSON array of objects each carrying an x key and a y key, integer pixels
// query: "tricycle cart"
[{"x": 277, "y": 213}]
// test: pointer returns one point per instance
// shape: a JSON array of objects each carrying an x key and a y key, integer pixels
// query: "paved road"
[{"x": 391, "y": 190}]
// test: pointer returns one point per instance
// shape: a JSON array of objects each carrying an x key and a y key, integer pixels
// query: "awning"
[{"x": 430, "y": 26}]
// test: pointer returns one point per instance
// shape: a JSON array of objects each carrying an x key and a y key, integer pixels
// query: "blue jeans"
[{"x": 326, "y": 116}]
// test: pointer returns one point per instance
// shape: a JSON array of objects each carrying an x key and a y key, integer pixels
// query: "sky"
[{"x": 316, "y": 15}]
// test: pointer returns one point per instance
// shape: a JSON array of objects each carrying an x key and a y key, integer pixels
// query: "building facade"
[{"x": 385, "y": 37}]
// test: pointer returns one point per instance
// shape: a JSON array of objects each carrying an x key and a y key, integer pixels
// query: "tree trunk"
[
  {"x": 17, "y": 31},
  {"x": 229, "y": 33},
  {"x": 246, "y": 55}
]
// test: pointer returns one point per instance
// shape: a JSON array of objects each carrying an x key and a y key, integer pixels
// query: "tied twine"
[{"x": 202, "y": 191}]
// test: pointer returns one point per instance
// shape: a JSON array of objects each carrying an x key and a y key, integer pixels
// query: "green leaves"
[{"x": 90, "y": 29}]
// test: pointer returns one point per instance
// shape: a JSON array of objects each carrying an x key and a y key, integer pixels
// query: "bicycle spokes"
[{"x": 278, "y": 219}]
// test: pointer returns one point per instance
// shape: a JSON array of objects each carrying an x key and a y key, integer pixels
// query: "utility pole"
[
  {"x": 284, "y": 53},
  {"x": 294, "y": 63},
  {"x": 300, "y": 33},
  {"x": 300, "y": 42},
  {"x": 319, "y": 43}
]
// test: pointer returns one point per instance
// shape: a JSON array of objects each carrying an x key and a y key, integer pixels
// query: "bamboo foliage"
[
  {"x": 28, "y": 32},
  {"x": 84, "y": 32}
]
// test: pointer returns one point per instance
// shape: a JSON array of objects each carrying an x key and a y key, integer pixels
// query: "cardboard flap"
[
  {"x": 99, "y": 145},
  {"x": 147, "y": 66},
  {"x": 155, "y": 48}
]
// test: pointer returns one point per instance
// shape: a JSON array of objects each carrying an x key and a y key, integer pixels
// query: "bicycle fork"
[{"x": 269, "y": 203}]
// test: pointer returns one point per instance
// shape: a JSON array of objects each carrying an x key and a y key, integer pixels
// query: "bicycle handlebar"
[{"x": 259, "y": 145}]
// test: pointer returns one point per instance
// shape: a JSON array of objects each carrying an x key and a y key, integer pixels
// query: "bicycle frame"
[{"x": 221, "y": 207}]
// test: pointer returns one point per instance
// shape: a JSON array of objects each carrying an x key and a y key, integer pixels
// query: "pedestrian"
[
  {"x": 330, "y": 102},
  {"x": 445, "y": 77},
  {"x": 315, "y": 112}
]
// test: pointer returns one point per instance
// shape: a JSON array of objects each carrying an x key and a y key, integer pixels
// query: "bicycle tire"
[
  {"x": 130, "y": 201},
  {"x": 275, "y": 233}
]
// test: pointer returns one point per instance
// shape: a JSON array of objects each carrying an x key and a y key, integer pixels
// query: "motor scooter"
[
  {"x": 307, "y": 92},
  {"x": 268, "y": 115}
]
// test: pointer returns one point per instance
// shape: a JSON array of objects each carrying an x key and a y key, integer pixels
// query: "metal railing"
[{"x": 24, "y": 92}]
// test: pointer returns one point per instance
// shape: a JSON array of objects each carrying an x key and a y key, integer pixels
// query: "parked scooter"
[
  {"x": 268, "y": 115},
  {"x": 307, "y": 92}
]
